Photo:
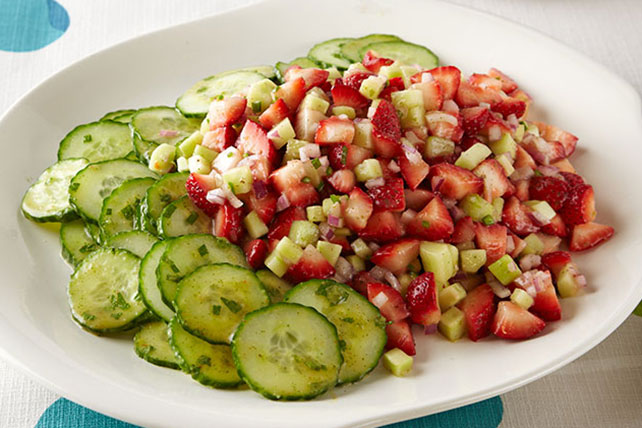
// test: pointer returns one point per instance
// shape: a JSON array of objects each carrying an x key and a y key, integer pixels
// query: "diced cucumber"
[
  {"x": 372, "y": 87},
  {"x": 543, "y": 208},
  {"x": 259, "y": 95},
  {"x": 534, "y": 245},
  {"x": 404, "y": 52},
  {"x": 151, "y": 343},
  {"x": 315, "y": 213},
  {"x": 330, "y": 251},
  {"x": 161, "y": 159},
  {"x": 281, "y": 67},
  {"x": 368, "y": 169},
  {"x": 254, "y": 225},
  {"x": 121, "y": 207},
  {"x": 397, "y": 362},
  {"x": 567, "y": 282},
  {"x": 506, "y": 163},
  {"x": 187, "y": 146},
  {"x": 76, "y": 242},
  {"x": 209, "y": 365},
  {"x": 134, "y": 241},
  {"x": 506, "y": 144},
  {"x": 472, "y": 157},
  {"x": 282, "y": 133},
  {"x": 239, "y": 179},
  {"x": 521, "y": 298},
  {"x": 328, "y": 53},
  {"x": 505, "y": 269},
  {"x": 304, "y": 233},
  {"x": 148, "y": 282},
  {"x": 361, "y": 249},
  {"x": 276, "y": 264},
  {"x": 436, "y": 147},
  {"x": 345, "y": 110},
  {"x": 360, "y": 326},
  {"x": 212, "y": 301},
  {"x": 275, "y": 286},
  {"x": 438, "y": 258},
  {"x": 47, "y": 200},
  {"x": 162, "y": 193},
  {"x": 452, "y": 324},
  {"x": 288, "y": 251},
  {"x": 198, "y": 164},
  {"x": 363, "y": 134},
  {"x": 451, "y": 295},
  {"x": 406, "y": 102},
  {"x": 358, "y": 264},
  {"x": 314, "y": 102},
  {"x": 182, "y": 217},
  {"x": 351, "y": 50},
  {"x": 477, "y": 207},
  {"x": 97, "y": 141},
  {"x": 287, "y": 351},
  {"x": 498, "y": 207},
  {"x": 122, "y": 116},
  {"x": 103, "y": 291},
  {"x": 472, "y": 260}
]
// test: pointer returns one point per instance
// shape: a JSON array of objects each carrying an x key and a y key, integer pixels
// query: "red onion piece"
[
  {"x": 344, "y": 269},
  {"x": 334, "y": 221},
  {"x": 373, "y": 246},
  {"x": 326, "y": 231},
  {"x": 375, "y": 182},
  {"x": 499, "y": 290},
  {"x": 436, "y": 183},
  {"x": 426, "y": 77},
  {"x": 548, "y": 170},
  {"x": 168, "y": 133},
  {"x": 456, "y": 213},
  {"x": 260, "y": 189},
  {"x": 392, "y": 280},
  {"x": 309, "y": 151},
  {"x": 392, "y": 166},
  {"x": 436, "y": 117},
  {"x": 233, "y": 200},
  {"x": 494, "y": 133},
  {"x": 413, "y": 138},
  {"x": 378, "y": 273},
  {"x": 430, "y": 329},
  {"x": 380, "y": 299},
  {"x": 538, "y": 218},
  {"x": 530, "y": 261},
  {"x": 273, "y": 134},
  {"x": 324, "y": 161},
  {"x": 282, "y": 203},
  {"x": 512, "y": 120},
  {"x": 523, "y": 173},
  {"x": 510, "y": 244},
  {"x": 216, "y": 196}
]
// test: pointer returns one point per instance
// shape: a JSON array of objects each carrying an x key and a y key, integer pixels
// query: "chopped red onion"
[
  {"x": 456, "y": 213},
  {"x": 168, "y": 133},
  {"x": 273, "y": 134},
  {"x": 512, "y": 120},
  {"x": 326, "y": 231},
  {"x": 392, "y": 166},
  {"x": 548, "y": 170},
  {"x": 216, "y": 196},
  {"x": 485, "y": 105},
  {"x": 334, "y": 221},
  {"x": 510, "y": 244},
  {"x": 282, "y": 203},
  {"x": 392, "y": 280},
  {"x": 371, "y": 111},
  {"x": 380, "y": 299},
  {"x": 373, "y": 246},
  {"x": 426, "y": 77},
  {"x": 539, "y": 218},
  {"x": 494, "y": 133},
  {"x": 530, "y": 261},
  {"x": 436, "y": 183},
  {"x": 436, "y": 117},
  {"x": 450, "y": 106},
  {"x": 344, "y": 269},
  {"x": 519, "y": 244},
  {"x": 551, "y": 243},
  {"x": 408, "y": 216},
  {"x": 412, "y": 138},
  {"x": 375, "y": 182},
  {"x": 499, "y": 290},
  {"x": 309, "y": 151},
  {"x": 523, "y": 173},
  {"x": 232, "y": 199},
  {"x": 412, "y": 154},
  {"x": 324, "y": 161},
  {"x": 260, "y": 189},
  {"x": 430, "y": 329},
  {"x": 449, "y": 203},
  {"x": 378, "y": 273}
]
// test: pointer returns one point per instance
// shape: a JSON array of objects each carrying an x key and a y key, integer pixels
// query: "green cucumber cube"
[
  {"x": 372, "y": 86},
  {"x": 391, "y": 71},
  {"x": 521, "y": 298},
  {"x": 506, "y": 163},
  {"x": 437, "y": 258},
  {"x": 288, "y": 251},
  {"x": 436, "y": 146},
  {"x": 397, "y": 362},
  {"x": 282, "y": 133},
  {"x": 333, "y": 73},
  {"x": 361, "y": 249},
  {"x": 312, "y": 173},
  {"x": 368, "y": 169},
  {"x": 532, "y": 129},
  {"x": 452, "y": 325},
  {"x": 534, "y": 245},
  {"x": 330, "y": 251},
  {"x": 542, "y": 207},
  {"x": 468, "y": 245},
  {"x": 239, "y": 179},
  {"x": 498, "y": 206},
  {"x": 356, "y": 66},
  {"x": 259, "y": 95},
  {"x": 199, "y": 165},
  {"x": 182, "y": 164},
  {"x": 409, "y": 104},
  {"x": 363, "y": 134},
  {"x": 187, "y": 146},
  {"x": 472, "y": 260},
  {"x": 505, "y": 269},
  {"x": 358, "y": 264},
  {"x": 205, "y": 126},
  {"x": 207, "y": 154},
  {"x": 342, "y": 231},
  {"x": 451, "y": 295},
  {"x": 567, "y": 283},
  {"x": 292, "y": 150},
  {"x": 346, "y": 110},
  {"x": 506, "y": 144},
  {"x": 162, "y": 158},
  {"x": 315, "y": 213},
  {"x": 276, "y": 264},
  {"x": 304, "y": 233},
  {"x": 519, "y": 132},
  {"x": 314, "y": 102},
  {"x": 477, "y": 207},
  {"x": 404, "y": 281},
  {"x": 473, "y": 156},
  {"x": 254, "y": 225}
]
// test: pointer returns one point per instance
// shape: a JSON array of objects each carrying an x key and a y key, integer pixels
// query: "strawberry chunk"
[
  {"x": 515, "y": 216},
  {"x": 311, "y": 265},
  {"x": 334, "y": 130},
  {"x": 579, "y": 207},
  {"x": 509, "y": 106},
  {"x": 226, "y": 111},
  {"x": 265, "y": 206},
  {"x": 485, "y": 81},
  {"x": 464, "y": 231},
  {"x": 495, "y": 182},
  {"x": 422, "y": 300},
  {"x": 469, "y": 95},
  {"x": 546, "y": 304},
  {"x": 219, "y": 139},
  {"x": 556, "y": 227},
  {"x": 357, "y": 210},
  {"x": 508, "y": 84},
  {"x": 431, "y": 91},
  {"x": 556, "y": 260},
  {"x": 397, "y": 255},
  {"x": 394, "y": 85},
  {"x": 343, "y": 180},
  {"x": 550, "y": 189},
  {"x": 445, "y": 125},
  {"x": 449, "y": 78},
  {"x": 515, "y": 323},
  {"x": 343, "y": 95},
  {"x": 478, "y": 307},
  {"x": 523, "y": 159},
  {"x": 388, "y": 300},
  {"x": 400, "y": 336},
  {"x": 544, "y": 152},
  {"x": 474, "y": 118},
  {"x": 572, "y": 179},
  {"x": 292, "y": 92},
  {"x": 312, "y": 76},
  {"x": 492, "y": 239},
  {"x": 288, "y": 176},
  {"x": 306, "y": 123},
  {"x": 553, "y": 133},
  {"x": 274, "y": 114},
  {"x": 254, "y": 141},
  {"x": 255, "y": 252},
  {"x": 433, "y": 222},
  {"x": 197, "y": 186},
  {"x": 386, "y": 130},
  {"x": 373, "y": 62},
  {"x": 302, "y": 195},
  {"x": 282, "y": 223},
  {"x": 454, "y": 182},
  {"x": 360, "y": 282},
  {"x": 417, "y": 199},
  {"x": 354, "y": 78},
  {"x": 589, "y": 235},
  {"x": 390, "y": 196},
  {"x": 382, "y": 226},
  {"x": 413, "y": 169},
  {"x": 348, "y": 156},
  {"x": 229, "y": 223}
]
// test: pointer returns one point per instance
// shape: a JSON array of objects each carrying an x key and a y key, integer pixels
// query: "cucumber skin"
[
  {"x": 390, "y": 37},
  {"x": 142, "y": 294},
  {"x": 327, "y": 64},
  {"x": 105, "y": 236},
  {"x": 258, "y": 388},
  {"x": 67, "y": 254},
  {"x": 155, "y": 361}
]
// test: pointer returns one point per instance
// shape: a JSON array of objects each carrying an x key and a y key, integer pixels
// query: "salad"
[{"x": 288, "y": 227}]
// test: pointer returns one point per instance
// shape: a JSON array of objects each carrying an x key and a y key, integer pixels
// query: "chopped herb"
[
  {"x": 173, "y": 267},
  {"x": 87, "y": 138},
  {"x": 328, "y": 171},
  {"x": 335, "y": 198},
  {"x": 231, "y": 186},
  {"x": 305, "y": 180},
  {"x": 344, "y": 155},
  {"x": 192, "y": 218},
  {"x": 174, "y": 278},
  {"x": 523, "y": 123},
  {"x": 230, "y": 154},
  {"x": 201, "y": 89},
  {"x": 88, "y": 248},
  {"x": 169, "y": 210},
  {"x": 320, "y": 186},
  {"x": 128, "y": 212},
  {"x": 425, "y": 224},
  {"x": 231, "y": 305},
  {"x": 166, "y": 198},
  {"x": 245, "y": 155},
  {"x": 342, "y": 344},
  {"x": 256, "y": 106},
  {"x": 316, "y": 162},
  {"x": 220, "y": 97},
  {"x": 108, "y": 211},
  {"x": 216, "y": 309},
  {"x": 88, "y": 317},
  {"x": 204, "y": 360},
  {"x": 537, "y": 173},
  {"x": 116, "y": 315},
  {"x": 348, "y": 320},
  {"x": 488, "y": 220},
  {"x": 118, "y": 301},
  {"x": 202, "y": 250},
  {"x": 74, "y": 186},
  {"x": 335, "y": 295}
]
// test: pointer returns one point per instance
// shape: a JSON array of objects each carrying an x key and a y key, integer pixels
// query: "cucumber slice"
[
  {"x": 287, "y": 351},
  {"x": 266, "y": 70},
  {"x": 151, "y": 343},
  {"x": 210, "y": 365},
  {"x": 404, "y": 52},
  {"x": 281, "y": 67},
  {"x": 195, "y": 102},
  {"x": 120, "y": 209},
  {"x": 351, "y": 50},
  {"x": 96, "y": 181},
  {"x": 212, "y": 301},
  {"x": 361, "y": 328},
  {"x": 47, "y": 200},
  {"x": 135, "y": 241},
  {"x": 76, "y": 242},
  {"x": 94, "y": 231},
  {"x": 97, "y": 141},
  {"x": 182, "y": 217},
  {"x": 153, "y": 126},
  {"x": 103, "y": 291},
  {"x": 162, "y": 193},
  {"x": 275, "y": 286},
  {"x": 183, "y": 255},
  {"x": 148, "y": 284},
  {"x": 121, "y": 116},
  {"x": 328, "y": 53}
]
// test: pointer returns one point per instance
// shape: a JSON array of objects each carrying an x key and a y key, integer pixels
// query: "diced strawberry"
[
  {"x": 360, "y": 282},
  {"x": 354, "y": 78},
  {"x": 550, "y": 189},
  {"x": 343, "y": 95},
  {"x": 388, "y": 300},
  {"x": 454, "y": 182},
  {"x": 551, "y": 243},
  {"x": 516, "y": 323},
  {"x": 226, "y": 111},
  {"x": 469, "y": 95},
  {"x": 348, "y": 156},
  {"x": 357, "y": 210},
  {"x": 433, "y": 222},
  {"x": 397, "y": 255},
  {"x": 556, "y": 227},
  {"x": 219, "y": 139},
  {"x": 553, "y": 133},
  {"x": 422, "y": 300},
  {"x": 343, "y": 180},
  {"x": 274, "y": 114},
  {"x": 521, "y": 190},
  {"x": 254, "y": 141},
  {"x": 388, "y": 173},
  {"x": 400, "y": 336},
  {"x": 390, "y": 196},
  {"x": 417, "y": 199},
  {"x": 556, "y": 261},
  {"x": 334, "y": 130},
  {"x": 343, "y": 242},
  {"x": 394, "y": 85},
  {"x": 431, "y": 91},
  {"x": 579, "y": 207},
  {"x": 509, "y": 106},
  {"x": 474, "y": 119},
  {"x": 508, "y": 84},
  {"x": 572, "y": 179},
  {"x": 544, "y": 152},
  {"x": 440, "y": 124},
  {"x": 495, "y": 181},
  {"x": 264, "y": 207},
  {"x": 386, "y": 130},
  {"x": 292, "y": 92},
  {"x": 564, "y": 165},
  {"x": 255, "y": 252},
  {"x": 413, "y": 169},
  {"x": 585, "y": 236},
  {"x": 448, "y": 78},
  {"x": 522, "y": 96},
  {"x": 515, "y": 216},
  {"x": 523, "y": 159},
  {"x": 382, "y": 226},
  {"x": 373, "y": 62},
  {"x": 281, "y": 224},
  {"x": 306, "y": 123},
  {"x": 288, "y": 176},
  {"x": 518, "y": 245},
  {"x": 495, "y": 122},
  {"x": 311, "y": 265},
  {"x": 546, "y": 304},
  {"x": 478, "y": 307},
  {"x": 492, "y": 239},
  {"x": 229, "y": 223},
  {"x": 312, "y": 76},
  {"x": 464, "y": 231},
  {"x": 484, "y": 81},
  {"x": 197, "y": 186},
  {"x": 302, "y": 195}
]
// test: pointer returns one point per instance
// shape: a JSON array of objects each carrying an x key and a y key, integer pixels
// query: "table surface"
[{"x": 602, "y": 388}]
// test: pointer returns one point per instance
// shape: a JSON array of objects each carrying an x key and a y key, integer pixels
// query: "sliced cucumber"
[
  {"x": 287, "y": 351},
  {"x": 195, "y": 102},
  {"x": 103, "y": 291},
  {"x": 160, "y": 125},
  {"x": 266, "y": 70},
  {"x": 182, "y": 217},
  {"x": 162, "y": 193},
  {"x": 183, "y": 255},
  {"x": 47, "y": 200},
  {"x": 210, "y": 365},
  {"x": 212, "y": 301},
  {"x": 275, "y": 286},
  {"x": 351, "y": 50},
  {"x": 122, "y": 116},
  {"x": 328, "y": 53},
  {"x": 135, "y": 241},
  {"x": 120, "y": 208},
  {"x": 148, "y": 284},
  {"x": 404, "y": 52},
  {"x": 94, "y": 231},
  {"x": 95, "y": 182},
  {"x": 361, "y": 328},
  {"x": 151, "y": 343},
  {"x": 302, "y": 61},
  {"x": 97, "y": 141},
  {"x": 76, "y": 242}
]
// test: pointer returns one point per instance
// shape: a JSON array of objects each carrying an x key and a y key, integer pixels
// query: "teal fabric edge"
[{"x": 29, "y": 25}]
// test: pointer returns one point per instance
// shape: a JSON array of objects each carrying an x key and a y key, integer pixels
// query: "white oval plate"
[{"x": 104, "y": 374}]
